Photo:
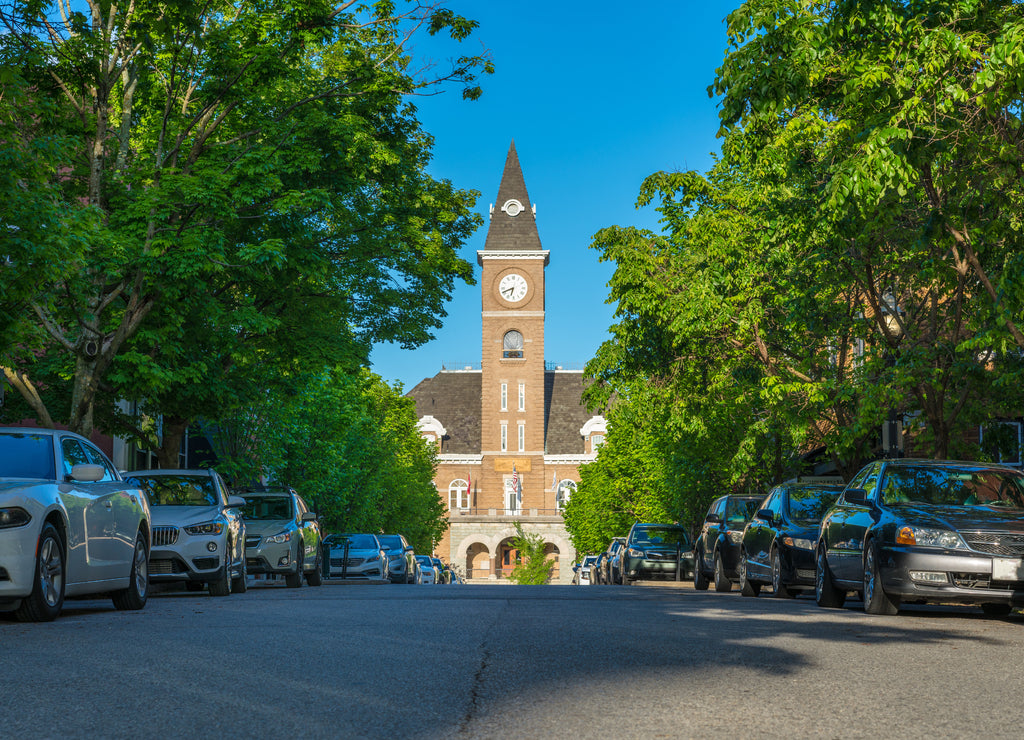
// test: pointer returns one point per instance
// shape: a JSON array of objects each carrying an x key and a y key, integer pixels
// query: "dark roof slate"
[
  {"x": 453, "y": 398},
  {"x": 564, "y": 413}
]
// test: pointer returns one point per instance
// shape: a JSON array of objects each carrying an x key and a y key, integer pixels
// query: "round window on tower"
[{"x": 512, "y": 345}]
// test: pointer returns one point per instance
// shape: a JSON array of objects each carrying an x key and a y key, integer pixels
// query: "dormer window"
[{"x": 512, "y": 345}]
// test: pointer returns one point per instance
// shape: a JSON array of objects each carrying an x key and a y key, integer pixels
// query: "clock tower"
[{"x": 512, "y": 367}]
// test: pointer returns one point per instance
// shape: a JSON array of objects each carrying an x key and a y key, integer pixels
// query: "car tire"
[
  {"x": 722, "y": 583},
  {"x": 134, "y": 597},
  {"x": 778, "y": 587},
  {"x": 47, "y": 597},
  {"x": 996, "y": 610},
  {"x": 700, "y": 580},
  {"x": 294, "y": 580},
  {"x": 221, "y": 586},
  {"x": 825, "y": 592},
  {"x": 876, "y": 600},
  {"x": 240, "y": 584},
  {"x": 315, "y": 577},
  {"x": 747, "y": 587}
]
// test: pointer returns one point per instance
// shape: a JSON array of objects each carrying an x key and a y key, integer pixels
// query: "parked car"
[
  {"x": 597, "y": 569},
  {"x": 778, "y": 543},
  {"x": 428, "y": 573},
  {"x": 584, "y": 570},
  {"x": 656, "y": 551},
  {"x": 356, "y": 557},
  {"x": 69, "y": 525},
  {"x": 611, "y": 566},
  {"x": 402, "y": 563},
  {"x": 198, "y": 531},
  {"x": 925, "y": 530},
  {"x": 716, "y": 553},
  {"x": 444, "y": 573},
  {"x": 282, "y": 537}
]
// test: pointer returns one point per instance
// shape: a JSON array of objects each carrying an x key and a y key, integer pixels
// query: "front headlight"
[
  {"x": 798, "y": 543},
  {"x": 735, "y": 536},
  {"x": 634, "y": 553},
  {"x": 14, "y": 517},
  {"x": 279, "y": 538},
  {"x": 373, "y": 559},
  {"x": 928, "y": 537},
  {"x": 214, "y": 527}
]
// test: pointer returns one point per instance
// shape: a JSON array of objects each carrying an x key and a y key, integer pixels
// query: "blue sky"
[{"x": 596, "y": 96}]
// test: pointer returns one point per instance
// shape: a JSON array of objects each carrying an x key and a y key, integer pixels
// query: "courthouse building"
[{"x": 511, "y": 432}]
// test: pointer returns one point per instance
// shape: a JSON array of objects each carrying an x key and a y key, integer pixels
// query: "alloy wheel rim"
[
  {"x": 51, "y": 572},
  {"x": 869, "y": 576},
  {"x": 141, "y": 575},
  {"x": 819, "y": 576},
  {"x": 776, "y": 571}
]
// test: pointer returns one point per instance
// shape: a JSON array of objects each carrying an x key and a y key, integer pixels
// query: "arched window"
[
  {"x": 458, "y": 494},
  {"x": 565, "y": 490},
  {"x": 512, "y": 345}
]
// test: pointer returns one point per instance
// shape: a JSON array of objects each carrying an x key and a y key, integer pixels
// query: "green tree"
[
  {"x": 532, "y": 565},
  {"x": 244, "y": 154}
]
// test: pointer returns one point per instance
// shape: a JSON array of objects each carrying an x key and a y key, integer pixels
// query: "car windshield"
[
  {"x": 355, "y": 541},
  {"x": 952, "y": 486},
  {"x": 424, "y": 560},
  {"x": 268, "y": 507},
  {"x": 178, "y": 490},
  {"x": 807, "y": 506},
  {"x": 739, "y": 511},
  {"x": 26, "y": 455},
  {"x": 391, "y": 542},
  {"x": 665, "y": 537}
]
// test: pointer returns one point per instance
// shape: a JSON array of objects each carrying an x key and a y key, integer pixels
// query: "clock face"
[{"x": 512, "y": 287}]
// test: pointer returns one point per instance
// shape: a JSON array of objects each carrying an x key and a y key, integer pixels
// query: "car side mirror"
[
  {"x": 309, "y": 516},
  {"x": 87, "y": 472},
  {"x": 713, "y": 519},
  {"x": 856, "y": 496},
  {"x": 235, "y": 502},
  {"x": 766, "y": 515}
]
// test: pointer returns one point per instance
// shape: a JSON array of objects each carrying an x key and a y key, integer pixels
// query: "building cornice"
[
  {"x": 461, "y": 459},
  {"x": 513, "y": 254},
  {"x": 569, "y": 459}
]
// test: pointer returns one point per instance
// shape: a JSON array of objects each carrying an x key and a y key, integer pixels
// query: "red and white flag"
[{"x": 515, "y": 479}]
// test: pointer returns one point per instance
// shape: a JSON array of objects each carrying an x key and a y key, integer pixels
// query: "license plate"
[{"x": 1007, "y": 569}]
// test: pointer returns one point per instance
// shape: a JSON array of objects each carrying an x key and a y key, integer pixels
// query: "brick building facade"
[{"x": 513, "y": 432}]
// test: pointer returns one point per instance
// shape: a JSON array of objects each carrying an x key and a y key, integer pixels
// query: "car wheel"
[
  {"x": 876, "y": 601},
  {"x": 222, "y": 585},
  {"x": 47, "y": 597},
  {"x": 747, "y": 587},
  {"x": 294, "y": 580},
  {"x": 700, "y": 580},
  {"x": 825, "y": 592},
  {"x": 134, "y": 597},
  {"x": 996, "y": 610},
  {"x": 315, "y": 576},
  {"x": 778, "y": 587},
  {"x": 722, "y": 583},
  {"x": 240, "y": 584}
]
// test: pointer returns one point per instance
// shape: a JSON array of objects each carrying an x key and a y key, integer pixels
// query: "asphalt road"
[{"x": 496, "y": 661}]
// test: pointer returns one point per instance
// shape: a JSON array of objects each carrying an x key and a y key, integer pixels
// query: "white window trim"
[
  {"x": 522, "y": 437},
  {"x": 460, "y": 488},
  {"x": 504, "y": 437},
  {"x": 504, "y": 396},
  {"x": 522, "y": 396}
]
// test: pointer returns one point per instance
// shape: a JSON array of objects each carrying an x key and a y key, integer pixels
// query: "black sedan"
[
  {"x": 778, "y": 543},
  {"x": 925, "y": 530},
  {"x": 716, "y": 554}
]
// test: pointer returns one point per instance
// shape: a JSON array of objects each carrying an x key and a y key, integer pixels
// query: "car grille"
[
  {"x": 165, "y": 567},
  {"x": 346, "y": 562},
  {"x": 253, "y": 540},
  {"x": 655, "y": 555},
  {"x": 205, "y": 563},
  {"x": 164, "y": 536},
  {"x": 1005, "y": 544},
  {"x": 983, "y": 580}
]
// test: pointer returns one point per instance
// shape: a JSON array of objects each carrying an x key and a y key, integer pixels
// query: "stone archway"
[{"x": 478, "y": 561}]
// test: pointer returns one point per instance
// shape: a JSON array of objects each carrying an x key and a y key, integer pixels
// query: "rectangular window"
[
  {"x": 504, "y": 396},
  {"x": 522, "y": 437},
  {"x": 522, "y": 396},
  {"x": 504, "y": 438}
]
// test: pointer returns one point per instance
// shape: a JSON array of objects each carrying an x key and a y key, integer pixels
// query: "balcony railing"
[{"x": 524, "y": 512}]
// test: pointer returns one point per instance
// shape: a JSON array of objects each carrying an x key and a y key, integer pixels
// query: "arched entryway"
[{"x": 478, "y": 561}]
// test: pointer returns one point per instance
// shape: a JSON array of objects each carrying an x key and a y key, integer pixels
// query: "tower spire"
[{"x": 513, "y": 224}]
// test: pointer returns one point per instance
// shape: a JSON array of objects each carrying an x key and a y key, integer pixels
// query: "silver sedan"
[{"x": 69, "y": 525}]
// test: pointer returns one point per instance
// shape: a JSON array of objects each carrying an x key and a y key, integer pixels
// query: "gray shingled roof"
[
  {"x": 512, "y": 232},
  {"x": 564, "y": 413},
  {"x": 453, "y": 398}
]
